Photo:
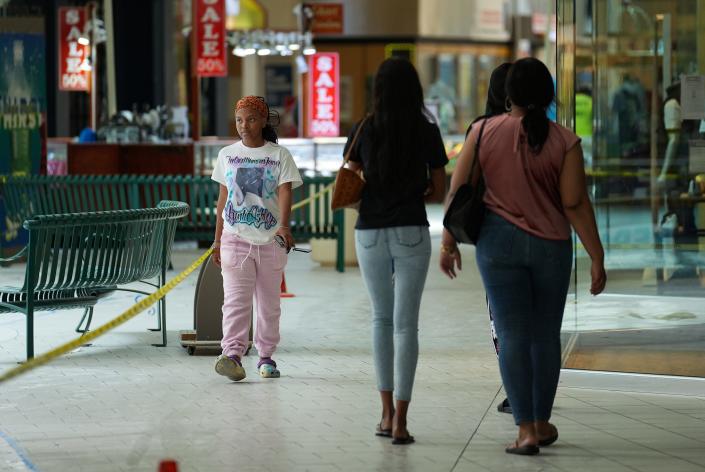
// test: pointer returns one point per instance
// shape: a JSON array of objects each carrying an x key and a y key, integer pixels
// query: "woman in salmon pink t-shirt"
[{"x": 535, "y": 192}]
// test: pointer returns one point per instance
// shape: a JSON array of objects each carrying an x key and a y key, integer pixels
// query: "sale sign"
[
  {"x": 324, "y": 94},
  {"x": 209, "y": 54},
  {"x": 73, "y": 76}
]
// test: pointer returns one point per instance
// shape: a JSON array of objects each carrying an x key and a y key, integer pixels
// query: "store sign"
[
  {"x": 490, "y": 21},
  {"x": 74, "y": 76},
  {"x": 209, "y": 54},
  {"x": 540, "y": 25},
  {"x": 324, "y": 95},
  {"x": 327, "y": 18}
]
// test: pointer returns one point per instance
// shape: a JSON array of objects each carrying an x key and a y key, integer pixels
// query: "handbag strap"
[
  {"x": 476, "y": 157},
  {"x": 346, "y": 158}
]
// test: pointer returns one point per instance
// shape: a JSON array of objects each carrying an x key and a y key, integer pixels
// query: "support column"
[
  {"x": 565, "y": 64},
  {"x": 252, "y": 77},
  {"x": 700, "y": 40},
  {"x": 111, "y": 89},
  {"x": 94, "y": 68}
]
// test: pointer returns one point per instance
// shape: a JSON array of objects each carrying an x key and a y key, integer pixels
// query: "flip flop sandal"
[
  {"x": 401, "y": 441},
  {"x": 522, "y": 450},
  {"x": 549, "y": 440},
  {"x": 386, "y": 433}
]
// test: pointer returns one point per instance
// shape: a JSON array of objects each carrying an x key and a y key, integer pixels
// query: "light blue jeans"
[{"x": 394, "y": 263}]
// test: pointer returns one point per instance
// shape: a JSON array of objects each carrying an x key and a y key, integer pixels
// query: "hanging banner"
[
  {"x": 209, "y": 52},
  {"x": 22, "y": 103},
  {"x": 22, "y": 116},
  {"x": 324, "y": 95},
  {"x": 73, "y": 56}
]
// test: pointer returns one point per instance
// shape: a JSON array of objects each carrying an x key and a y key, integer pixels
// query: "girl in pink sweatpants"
[{"x": 256, "y": 177}]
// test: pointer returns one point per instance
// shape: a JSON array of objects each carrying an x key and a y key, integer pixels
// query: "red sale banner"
[
  {"x": 74, "y": 75},
  {"x": 324, "y": 94},
  {"x": 209, "y": 53}
]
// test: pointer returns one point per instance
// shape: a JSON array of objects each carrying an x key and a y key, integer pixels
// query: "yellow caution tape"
[
  {"x": 91, "y": 335},
  {"x": 128, "y": 314},
  {"x": 307, "y": 200}
]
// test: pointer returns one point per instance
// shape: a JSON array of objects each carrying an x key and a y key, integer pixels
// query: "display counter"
[
  {"x": 317, "y": 156},
  {"x": 142, "y": 158}
]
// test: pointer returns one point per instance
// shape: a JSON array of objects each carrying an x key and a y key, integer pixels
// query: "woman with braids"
[
  {"x": 402, "y": 156},
  {"x": 535, "y": 192},
  {"x": 256, "y": 176}
]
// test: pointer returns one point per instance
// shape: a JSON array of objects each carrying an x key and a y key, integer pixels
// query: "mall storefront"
[{"x": 630, "y": 82}]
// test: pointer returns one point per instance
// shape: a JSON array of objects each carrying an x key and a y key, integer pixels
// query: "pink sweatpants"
[{"x": 250, "y": 269}]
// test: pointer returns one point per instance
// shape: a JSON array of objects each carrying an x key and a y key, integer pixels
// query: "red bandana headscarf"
[{"x": 254, "y": 103}]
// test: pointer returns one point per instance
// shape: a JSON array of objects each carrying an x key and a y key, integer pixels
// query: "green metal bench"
[
  {"x": 49, "y": 194},
  {"x": 74, "y": 259}
]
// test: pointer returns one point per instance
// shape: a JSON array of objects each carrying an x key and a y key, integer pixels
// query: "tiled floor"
[{"x": 122, "y": 405}]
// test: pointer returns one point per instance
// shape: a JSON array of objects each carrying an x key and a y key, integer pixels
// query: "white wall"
[{"x": 482, "y": 20}]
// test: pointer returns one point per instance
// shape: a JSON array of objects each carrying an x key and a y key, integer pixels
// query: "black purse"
[{"x": 465, "y": 214}]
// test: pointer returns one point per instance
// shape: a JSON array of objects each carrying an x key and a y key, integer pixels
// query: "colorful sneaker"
[
  {"x": 267, "y": 368},
  {"x": 231, "y": 367}
]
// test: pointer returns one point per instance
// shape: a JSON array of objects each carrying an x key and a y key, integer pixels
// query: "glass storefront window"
[
  {"x": 621, "y": 64},
  {"x": 455, "y": 83},
  {"x": 313, "y": 156}
]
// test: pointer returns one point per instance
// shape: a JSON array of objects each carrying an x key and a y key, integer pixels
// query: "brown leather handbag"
[{"x": 347, "y": 190}]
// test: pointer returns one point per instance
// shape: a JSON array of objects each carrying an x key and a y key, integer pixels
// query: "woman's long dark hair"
[
  {"x": 496, "y": 94},
  {"x": 397, "y": 118},
  {"x": 530, "y": 86}
]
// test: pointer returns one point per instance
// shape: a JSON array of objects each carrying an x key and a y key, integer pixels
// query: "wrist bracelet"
[{"x": 449, "y": 249}]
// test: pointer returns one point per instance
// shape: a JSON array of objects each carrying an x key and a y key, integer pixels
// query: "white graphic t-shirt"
[{"x": 252, "y": 176}]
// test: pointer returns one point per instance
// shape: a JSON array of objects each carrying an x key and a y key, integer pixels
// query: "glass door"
[{"x": 622, "y": 65}]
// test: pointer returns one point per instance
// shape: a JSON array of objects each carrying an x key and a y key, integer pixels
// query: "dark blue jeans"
[{"x": 526, "y": 279}]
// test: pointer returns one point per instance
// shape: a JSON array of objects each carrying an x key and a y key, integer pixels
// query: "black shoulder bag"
[{"x": 464, "y": 216}]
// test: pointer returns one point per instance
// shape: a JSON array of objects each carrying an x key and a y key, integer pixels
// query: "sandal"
[
  {"x": 230, "y": 367},
  {"x": 528, "y": 450},
  {"x": 551, "y": 439},
  {"x": 386, "y": 433},
  {"x": 409, "y": 439},
  {"x": 268, "y": 368}
]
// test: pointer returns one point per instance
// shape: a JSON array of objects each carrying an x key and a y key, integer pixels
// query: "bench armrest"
[{"x": 15, "y": 257}]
